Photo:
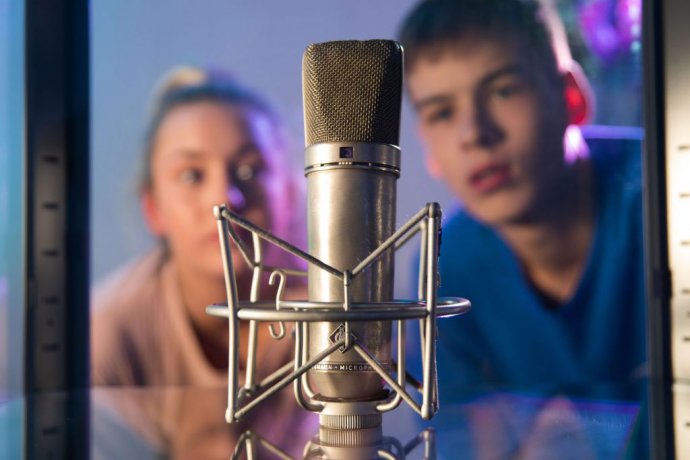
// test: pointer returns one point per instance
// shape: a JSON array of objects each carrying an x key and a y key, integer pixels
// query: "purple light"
[
  {"x": 574, "y": 145},
  {"x": 629, "y": 18},
  {"x": 611, "y": 27}
]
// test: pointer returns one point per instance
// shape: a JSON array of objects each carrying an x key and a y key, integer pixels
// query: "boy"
[{"x": 548, "y": 243}]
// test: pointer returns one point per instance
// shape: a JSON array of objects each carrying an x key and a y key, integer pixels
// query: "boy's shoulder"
[
  {"x": 617, "y": 162},
  {"x": 467, "y": 243},
  {"x": 464, "y": 229},
  {"x": 616, "y": 152},
  {"x": 458, "y": 220}
]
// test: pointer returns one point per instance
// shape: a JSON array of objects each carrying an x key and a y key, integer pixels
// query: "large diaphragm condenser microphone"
[
  {"x": 343, "y": 366},
  {"x": 352, "y": 93}
]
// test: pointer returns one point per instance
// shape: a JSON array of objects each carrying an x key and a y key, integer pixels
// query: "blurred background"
[{"x": 261, "y": 42}]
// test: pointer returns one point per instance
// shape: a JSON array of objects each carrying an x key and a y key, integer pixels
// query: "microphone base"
[
  {"x": 363, "y": 443},
  {"x": 351, "y": 415}
]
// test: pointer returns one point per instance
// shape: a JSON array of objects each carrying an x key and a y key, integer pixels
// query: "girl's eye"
[
  {"x": 245, "y": 173},
  {"x": 191, "y": 176}
]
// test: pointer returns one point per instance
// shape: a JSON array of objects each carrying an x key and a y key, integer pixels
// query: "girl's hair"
[{"x": 189, "y": 85}]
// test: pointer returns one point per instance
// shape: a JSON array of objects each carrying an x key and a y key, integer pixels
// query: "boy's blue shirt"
[{"x": 510, "y": 336}]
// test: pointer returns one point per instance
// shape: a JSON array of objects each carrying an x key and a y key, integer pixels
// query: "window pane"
[{"x": 11, "y": 196}]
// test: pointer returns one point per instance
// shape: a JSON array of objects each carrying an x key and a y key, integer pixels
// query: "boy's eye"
[
  {"x": 504, "y": 92},
  {"x": 191, "y": 176},
  {"x": 440, "y": 114},
  {"x": 507, "y": 90}
]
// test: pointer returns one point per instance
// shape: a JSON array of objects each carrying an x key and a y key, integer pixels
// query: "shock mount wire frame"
[{"x": 426, "y": 310}]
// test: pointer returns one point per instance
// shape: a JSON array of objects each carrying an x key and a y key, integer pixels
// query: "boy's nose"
[
  {"x": 477, "y": 128},
  {"x": 468, "y": 129}
]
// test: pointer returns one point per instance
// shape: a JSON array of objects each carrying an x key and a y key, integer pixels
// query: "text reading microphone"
[{"x": 343, "y": 366}]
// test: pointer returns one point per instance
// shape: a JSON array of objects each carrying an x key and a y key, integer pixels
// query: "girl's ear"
[
  {"x": 151, "y": 213},
  {"x": 579, "y": 99}
]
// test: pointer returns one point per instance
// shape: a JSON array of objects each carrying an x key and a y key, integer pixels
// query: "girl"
[{"x": 209, "y": 141}]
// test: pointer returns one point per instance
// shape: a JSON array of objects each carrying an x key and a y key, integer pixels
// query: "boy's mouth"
[{"x": 490, "y": 177}]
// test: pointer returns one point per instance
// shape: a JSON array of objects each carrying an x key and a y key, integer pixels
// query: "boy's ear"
[
  {"x": 579, "y": 99},
  {"x": 152, "y": 216}
]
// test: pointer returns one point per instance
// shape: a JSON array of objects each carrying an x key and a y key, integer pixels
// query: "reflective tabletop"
[{"x": 188, "y": 423}]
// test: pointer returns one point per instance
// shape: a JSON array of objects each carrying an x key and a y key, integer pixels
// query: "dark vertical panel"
[
  {"x": 656, "y": 235},
  {"x": 57, "y": 314}
]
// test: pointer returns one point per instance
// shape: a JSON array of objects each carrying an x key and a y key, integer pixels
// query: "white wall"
[{"x": 261, "y": 41}]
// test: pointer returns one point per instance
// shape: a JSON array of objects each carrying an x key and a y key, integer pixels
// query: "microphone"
[
  {"x": 343, "y": 367},
  {"x": 352, "y": 92}
]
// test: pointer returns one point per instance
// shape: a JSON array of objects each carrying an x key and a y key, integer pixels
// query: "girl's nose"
[{"x": 221, "y": 189}]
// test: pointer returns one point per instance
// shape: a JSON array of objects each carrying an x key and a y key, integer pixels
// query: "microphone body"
[
  {"x": 351, "y": 211},
  {"x": 352, "y": 94}
]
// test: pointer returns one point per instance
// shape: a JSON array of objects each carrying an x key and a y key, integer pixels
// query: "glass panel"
[
  {"x": 561, "y": 322},
  {"x": 11, "y": 196},
  {"x": 11, "y": 226}
]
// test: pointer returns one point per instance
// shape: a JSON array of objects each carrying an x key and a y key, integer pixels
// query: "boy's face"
[{"x": 492, "y": 128}]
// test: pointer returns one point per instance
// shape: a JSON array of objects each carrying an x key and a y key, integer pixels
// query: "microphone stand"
[{"x": 355, "y": 414}]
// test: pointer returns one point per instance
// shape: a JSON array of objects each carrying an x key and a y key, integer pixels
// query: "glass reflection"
[
  {"x": 342, "y": 444},
  {"x": 189, "y": 423}
]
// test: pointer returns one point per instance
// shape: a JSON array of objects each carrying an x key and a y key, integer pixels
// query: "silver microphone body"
[{"x": 351, "y": 211}]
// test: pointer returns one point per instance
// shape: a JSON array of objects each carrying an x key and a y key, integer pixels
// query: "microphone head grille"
[{"x": 352, "y": 91}]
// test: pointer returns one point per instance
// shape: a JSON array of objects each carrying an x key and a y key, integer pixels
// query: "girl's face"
[{"x": 204, "y": 154}]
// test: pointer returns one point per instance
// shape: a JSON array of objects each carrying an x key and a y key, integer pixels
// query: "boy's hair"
[{"x": 436, "y": 25}]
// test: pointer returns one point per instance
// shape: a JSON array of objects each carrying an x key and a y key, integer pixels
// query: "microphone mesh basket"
[{"x": 352, "y": 91}]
